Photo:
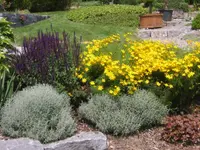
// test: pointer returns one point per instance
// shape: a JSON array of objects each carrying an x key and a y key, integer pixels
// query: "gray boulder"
[
  {"x": 21, "y": 144},
  {"x": 82, "y": 141}
]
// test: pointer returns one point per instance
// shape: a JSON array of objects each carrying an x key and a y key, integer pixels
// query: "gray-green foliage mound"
[
  {"x": 125, "y": 115},
  {"x": 38, "y": 112}
]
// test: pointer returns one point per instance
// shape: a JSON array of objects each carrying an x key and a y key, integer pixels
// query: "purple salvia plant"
[{"x": 46, "y": 56}]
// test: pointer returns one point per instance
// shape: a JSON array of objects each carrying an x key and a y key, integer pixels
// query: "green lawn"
[{"x": 60, "y": 22}]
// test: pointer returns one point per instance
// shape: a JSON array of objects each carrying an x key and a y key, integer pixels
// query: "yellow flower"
[
  {"x": 86, "y": 69},
  {"x": 111, "y": 91},
  {"x": 158, "y": 83},
  {"x": 100, "y": 88},
  {"x": 84, "y": 80},
  {"x": 80, "y": 76},
  {"x": 187, "y": 70},
  {"x": 191, "y": 74},
  {"x": 103, "y": 80},
  {"x": 170, "y": 86},
  {"x": 92, "y": 83},
  {"x": 147, "y": 81},
  {"x": 70, "y": 94},
  {"x": 166, "y": 84}
]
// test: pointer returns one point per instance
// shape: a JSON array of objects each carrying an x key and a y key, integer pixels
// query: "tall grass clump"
[
  {"x": 126, "y": 115},
  {"x": 38, "y": 112}
]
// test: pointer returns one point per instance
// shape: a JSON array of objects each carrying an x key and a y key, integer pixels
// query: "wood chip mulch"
[{"x": 147, "y": 140}]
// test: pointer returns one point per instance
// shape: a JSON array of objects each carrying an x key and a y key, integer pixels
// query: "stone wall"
[{"x": 19, "y": 20}]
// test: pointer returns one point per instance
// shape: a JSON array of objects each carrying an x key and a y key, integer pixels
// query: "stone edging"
[
  {"x": 81, "y": 141},
  {"x": 19, "y": 20}
]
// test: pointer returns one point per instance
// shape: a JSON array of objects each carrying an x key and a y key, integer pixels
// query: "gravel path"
[{"x": 173, "y": 31}]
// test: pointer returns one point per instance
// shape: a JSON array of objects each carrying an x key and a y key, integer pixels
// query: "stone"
[
  {"x": 173, "y": 33},
  {"x": 82, "y": 141},
  {"x": 159, "y": 34},
  {"x": 144, "y": 34},
  {"x": 178, "y": 14},
  {"x": 20, "y": 144}
]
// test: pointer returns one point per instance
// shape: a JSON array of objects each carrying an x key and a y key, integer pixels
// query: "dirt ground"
[{"x": 148, "y": 140}]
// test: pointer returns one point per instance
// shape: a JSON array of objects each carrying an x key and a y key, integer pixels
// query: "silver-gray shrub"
[
  {"x": 38, "y": 112},
  {"x": 125, "y": 115}
]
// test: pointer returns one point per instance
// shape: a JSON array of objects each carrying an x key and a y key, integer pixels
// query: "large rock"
[
  {"x": 82, "y": 141},
  {"x": 21, "y": 144}
]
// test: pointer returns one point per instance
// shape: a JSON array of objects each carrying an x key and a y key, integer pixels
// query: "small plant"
[
  {"x": 6, "y": 86},
  {"x": 196, "y": 22},
  {"x": 184, "y": 129},
  {"x": 38, "y": 112},
  {"x": 22, "y": 19},
  {"x": 125, "y": 115}
]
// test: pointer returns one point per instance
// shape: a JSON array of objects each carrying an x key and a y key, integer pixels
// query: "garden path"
[{"x": 173, "y": 31}]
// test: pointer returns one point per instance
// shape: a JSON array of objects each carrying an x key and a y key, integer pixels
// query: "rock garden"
[{"x": 99, "y": 75}]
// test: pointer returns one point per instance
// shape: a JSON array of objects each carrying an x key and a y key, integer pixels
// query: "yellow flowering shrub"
[{"x": 142, "y": 63}]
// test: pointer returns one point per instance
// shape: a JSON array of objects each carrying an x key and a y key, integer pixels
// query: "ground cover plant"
[
  {"x": 142, "y": 64},
  {"x": 38, "y": 112},
  {"x": 125, "y": 115},
  {"x": 120, "y": 15},
  {"x": 184, "y": 129}
]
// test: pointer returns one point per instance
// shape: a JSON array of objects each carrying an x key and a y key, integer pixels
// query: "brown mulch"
[{"x": 147, "y": 140}]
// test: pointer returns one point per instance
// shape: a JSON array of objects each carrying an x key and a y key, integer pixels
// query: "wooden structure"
[{"x": 151, "y": 21}]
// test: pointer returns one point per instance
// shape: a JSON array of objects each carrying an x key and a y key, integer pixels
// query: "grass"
[{"x": 60, "y": 22}]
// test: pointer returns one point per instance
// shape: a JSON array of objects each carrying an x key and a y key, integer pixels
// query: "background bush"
[
  {"x": 38, "y": 112},
  {"x": 129, "y": 2},
  {"x": 159, "y": 5},
  {"x": 178, "y": 5},
  {"x": 50, "y": 5},
  {"x": 196, "y": 22},
  {"x": 121, "y": 15},
  {"x": 184, "y": 6},
  {"x": 125, "y": 115},
  {"x": 6, "y": 34},
  {"x": 38, "y": 5}
]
